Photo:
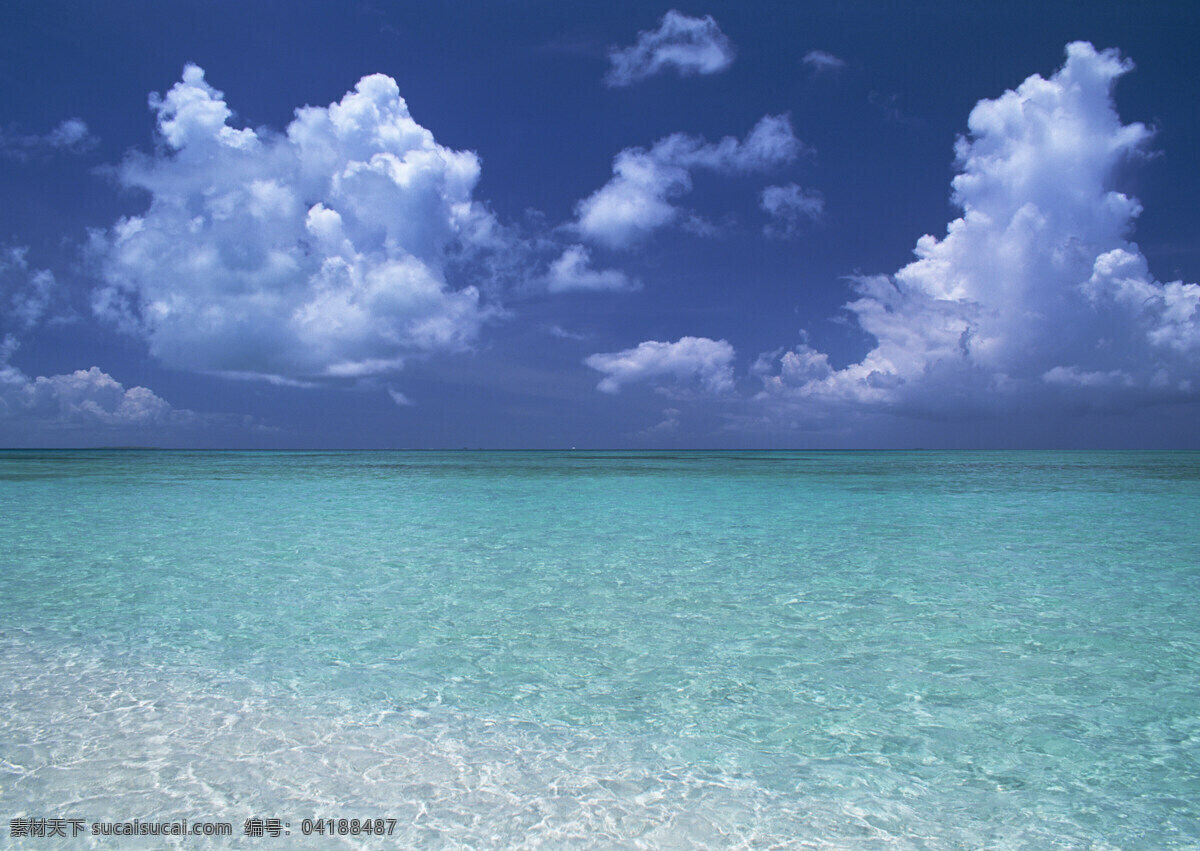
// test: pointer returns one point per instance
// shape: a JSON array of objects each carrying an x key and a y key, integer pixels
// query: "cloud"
[
  {"x": 87, "y": 398},
  {"x": 563, "y": 334},
  {"x": 400, "y": 399},
  {"x": 667, "y": 426},
  {"x": 70, "y": 136},
  {"x": 25, "y": 293},
  {"x": 1035, "y": 296},
  {"x": 820, "y": 62},
  {"x": 571, "y": 272},
  {"x": 319, "y": 252},
  {"x": 1074, "y": 376},
  {"x": 638, "y": 199},
  {"x": 790, "y": 207},
  {"x": 689, "y": 45},
  {"x": 709, "y": 362}
]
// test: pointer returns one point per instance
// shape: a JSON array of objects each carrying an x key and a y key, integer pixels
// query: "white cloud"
[
  {"x": 25, "y": 293},
  {"x": 1169, "y": 312},
  {"x": 790, "y": 207},
  {"x": 709, "y": 362},
  {"x": 277, "y": 380},
  {"x": 638, "y": 200},
  {"x": 400, "y": 399},
  {"x": 1074, "y": 376},
  {"x": 688, "y": 45},
  {"x": 667, "y": 426},
  {"x": 820, "y": 61},
  {"x": 572, "y": 271},
  {"x": 321, "y": 251},
  {"x": 85, "y": 398},
  {"x": 563, "y": 334},
  {"x": 1035, "y": 294},
  {"x": 71, "y": 136}
]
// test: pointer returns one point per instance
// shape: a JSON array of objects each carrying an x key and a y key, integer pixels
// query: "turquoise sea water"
[{"x": 695, "y": 650}]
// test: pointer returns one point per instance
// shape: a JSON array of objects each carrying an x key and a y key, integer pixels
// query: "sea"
[{"x": 842, "y": 650}]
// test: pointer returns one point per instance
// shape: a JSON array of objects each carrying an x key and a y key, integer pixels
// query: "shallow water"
[{"x": 844, "y": 650}]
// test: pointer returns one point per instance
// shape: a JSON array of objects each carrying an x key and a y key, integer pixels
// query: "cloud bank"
[
  {"x": 318, "y": 252},
  {"x": 1035, "y": 296},
  {"x": 638, "y": 199},
  {"x": 687, "y": 45},
  {"x": 86, "y": 398}
]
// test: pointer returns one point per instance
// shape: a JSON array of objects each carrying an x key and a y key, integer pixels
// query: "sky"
[{"x": 623, "y": 225}]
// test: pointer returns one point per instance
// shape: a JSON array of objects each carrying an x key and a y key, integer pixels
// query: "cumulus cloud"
[
  {"x": 638, "y": 199},
  {"x": 1035, "y": 295},
  {"x": 318, "y": 252},
  {"x": 790, "y": 207},
  {"x": 820, "y": 62},
  {"x": 86, "y": 398},
  {"x": 699, "y": 359},
  {"x": 70, "y": 136},
  {"x": 25, "y": 293},
  {"x": 572, "y": 271},
  {"x": 687, "y": 45}
]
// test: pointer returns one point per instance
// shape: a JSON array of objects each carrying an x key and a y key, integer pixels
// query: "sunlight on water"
[{"x": 914, "y": 650}]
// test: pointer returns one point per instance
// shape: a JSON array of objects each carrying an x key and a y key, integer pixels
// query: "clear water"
[{"x": 700, "y": 650}]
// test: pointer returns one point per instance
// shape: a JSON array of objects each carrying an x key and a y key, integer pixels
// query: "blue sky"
[{"x": 524, "y": 225}]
